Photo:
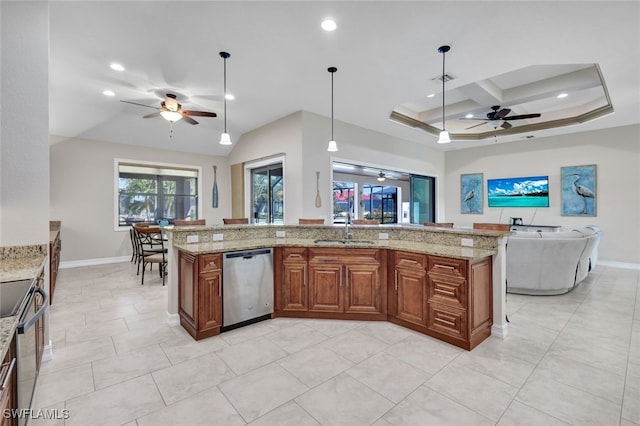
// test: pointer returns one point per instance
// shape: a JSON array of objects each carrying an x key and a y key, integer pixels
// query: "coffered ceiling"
[{"x": 515, "y": 54}]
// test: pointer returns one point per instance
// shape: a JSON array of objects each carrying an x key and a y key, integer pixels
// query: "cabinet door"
[
  {"x": 325, "y": 288},
  {"x": 362, "y": 289},
  {"x": 188, "y": 278},
  {"x": 294, "y": 286},
  {"x": 411, "y": 295},
  {"x": 209, "y": 301}
]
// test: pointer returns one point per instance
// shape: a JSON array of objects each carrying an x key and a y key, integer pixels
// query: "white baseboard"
[
  {"x": 92, "y": 262},
  {"x": 621, "y": 265},
  {"x": 47, "y": 353},
  {"x": 173, "y": 320},
  {"x": 500, "y": 331}
]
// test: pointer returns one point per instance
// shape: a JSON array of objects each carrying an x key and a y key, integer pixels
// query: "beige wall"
[
  {"x": 616, "y": 152},
  {"x": 82, "y": 193},
  {"x": 24, "y": 114}
]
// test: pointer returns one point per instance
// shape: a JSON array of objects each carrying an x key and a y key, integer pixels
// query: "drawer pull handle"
[
  {"x": 409, "y": 261},
  {"x": 396, "y": 280},
  {"x": 446, "y": 322},
  {"x": 447, "y": 267},
  {"x": 446, "y": 292}
]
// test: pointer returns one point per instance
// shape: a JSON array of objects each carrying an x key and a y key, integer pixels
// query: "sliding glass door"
[
  {"x": 267, "y": 194},
  {"x": 423, "y": 199}
]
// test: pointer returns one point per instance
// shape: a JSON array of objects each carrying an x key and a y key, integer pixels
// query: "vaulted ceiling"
[{"x": 502, "y": 53}]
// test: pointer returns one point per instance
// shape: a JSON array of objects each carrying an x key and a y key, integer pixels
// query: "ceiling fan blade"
[
  {"x": 523, "y": 116},
  {"x": 199, "y": 113},
  {"x": 476, "y": 125},
  {"x": 501, "y": 114},
  {"x": 472, "y": 118},
  {"x": 153, "y": 114},
  {"x": 135, "y": 103},
  {"x": 506, "y": 125},
  {"x": 189, "y": 119}
]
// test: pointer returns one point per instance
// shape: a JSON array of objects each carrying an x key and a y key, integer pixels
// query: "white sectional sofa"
[{"x": 548, "y": 263}]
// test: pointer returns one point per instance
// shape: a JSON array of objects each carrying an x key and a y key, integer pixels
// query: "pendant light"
[
  {"x": 225, "y": 139},
  {"x": 444, "y": 135},
  {"x": 333, "y": 147}
]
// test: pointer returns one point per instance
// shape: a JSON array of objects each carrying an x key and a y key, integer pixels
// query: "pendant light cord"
[
  {"x": 331, "y": 105},
  {"x": 444, "y": 54},
  {"x": 225, "y": 94}
]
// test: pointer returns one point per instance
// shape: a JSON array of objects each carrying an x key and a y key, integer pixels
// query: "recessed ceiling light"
[
  {"x": 116, "y": 67},
  {"x": 229, "y": 97},
  {"x": 562, "y": 95},
  {"x": 108, "y": 93},
  {"x": 431, "y": 95},
  {"x": 468, "y": 115},
  {"x": 329, "y": 25}
]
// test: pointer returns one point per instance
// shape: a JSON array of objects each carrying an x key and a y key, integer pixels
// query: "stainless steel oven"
[{"x": 27, "y": 351}]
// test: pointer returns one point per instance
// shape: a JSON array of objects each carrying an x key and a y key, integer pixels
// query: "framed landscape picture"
[
  {"x": 471, "y": 196},
  {"x": 579, "y": 190}
]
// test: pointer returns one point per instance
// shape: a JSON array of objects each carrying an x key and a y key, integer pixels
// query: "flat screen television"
[{"x": 528, "y": 191}]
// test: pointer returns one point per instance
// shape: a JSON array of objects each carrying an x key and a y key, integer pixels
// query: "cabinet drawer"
[
  {"x": 448, "y": 266},
  {"x": 209, "y": 262},
  {"x": 447, "y": 320},
  {"x": 294, "y": 254},
  {"x": 410, "y": 260},
  {"x": 448, "y": 290}
]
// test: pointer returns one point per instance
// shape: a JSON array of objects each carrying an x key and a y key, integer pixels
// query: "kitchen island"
[{"x": 456, "y": 293}]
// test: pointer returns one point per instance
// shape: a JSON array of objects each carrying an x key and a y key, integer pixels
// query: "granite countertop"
[
  {"x": 21, "y": 268},
  {"x": 12, "y": 269},
  {"x": 456, "y": 252}
]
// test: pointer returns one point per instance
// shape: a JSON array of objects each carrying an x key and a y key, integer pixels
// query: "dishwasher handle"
[
  {"x": 246, "y": 254},
  {"x": 23, "y": 326}
]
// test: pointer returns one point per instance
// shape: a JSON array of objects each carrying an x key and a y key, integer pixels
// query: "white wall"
[
  {"x": 303, "y": 137},
  {"x": 281, "y": 137},
  {"x": 616, "y": 152},
  {"x": 24, "y": 107},
  {"x": 82, "y": 193},
  {"x": 359, "y": 145}
]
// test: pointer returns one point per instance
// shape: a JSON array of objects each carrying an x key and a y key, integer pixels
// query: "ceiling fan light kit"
[
  {"x": 225, "y": 138},
  {"x": 444, "y": 135},
  {"x": 171, "y": 116},
  {"x": 333, "y": 147}
]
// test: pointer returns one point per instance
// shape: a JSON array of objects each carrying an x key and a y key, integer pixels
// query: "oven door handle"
[{"x": 28, "y": 323}]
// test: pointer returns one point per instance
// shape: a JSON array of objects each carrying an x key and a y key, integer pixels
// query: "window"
[
  {"x": 343, "y": 200},
  {"x": 267, "y": 194},
  {"x": 149, "y": 193},
  {"x": 380, "y": 203}
]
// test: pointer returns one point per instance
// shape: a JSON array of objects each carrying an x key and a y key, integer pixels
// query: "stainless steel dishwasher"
[{"x": 247, "y": 287}]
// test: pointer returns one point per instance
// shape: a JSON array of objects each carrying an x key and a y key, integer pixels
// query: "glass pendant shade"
[
  {"x": 171, "y": 116},
  {"x": 333, "y": 147},
  {"x": 225, "y": 139},
  {"x": 444, "y": 137}
]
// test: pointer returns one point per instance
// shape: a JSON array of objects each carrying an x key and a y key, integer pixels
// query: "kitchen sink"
[
  {"x": 345, "y": 242},
  {"x": 11, "y": 295}
]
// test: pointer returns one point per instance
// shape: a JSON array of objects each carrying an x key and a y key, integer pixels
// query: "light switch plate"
[
  {"x": 218, "y": 237},
  {"x": 192, "y": 238},
  {"x": 281, "y": 234},
  {"x": 383, "y": 236},
  {"x": 466, "y": 242}
]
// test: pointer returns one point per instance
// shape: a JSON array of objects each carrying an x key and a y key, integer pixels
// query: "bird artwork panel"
[
  {"x": 471, "y": 196},
  {"x": 579, "y": 190}
]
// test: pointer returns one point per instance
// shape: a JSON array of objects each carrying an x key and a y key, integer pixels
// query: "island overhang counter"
[{"x": 440, "y": 248}]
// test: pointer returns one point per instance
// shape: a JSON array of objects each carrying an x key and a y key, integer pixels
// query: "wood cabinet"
[
  {"x": 459, "y": 301},
  {"x": 346, "y": 281},
  {"x": 409, "y": 288},
  {"x": 55, "y": 247},
  {"x": 8, "y": 386},
  {"x": 291, "y": 288},
  {"x": 200, "y": 293}
]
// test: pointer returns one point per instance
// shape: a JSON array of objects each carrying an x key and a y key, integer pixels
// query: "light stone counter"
[
  {"x": 18, "y": 263},
  {"x": 457, "y": 252}
]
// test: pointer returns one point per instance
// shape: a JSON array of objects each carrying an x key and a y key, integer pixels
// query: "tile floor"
[{"x": 568, "y": 360}]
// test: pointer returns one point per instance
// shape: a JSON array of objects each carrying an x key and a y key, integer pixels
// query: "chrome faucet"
[{"x": 347, "y": 231}]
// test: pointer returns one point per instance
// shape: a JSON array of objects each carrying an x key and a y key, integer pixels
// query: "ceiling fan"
[
  {"x": 500, "y": 118},
  {"x": 172, "y": 111}
]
